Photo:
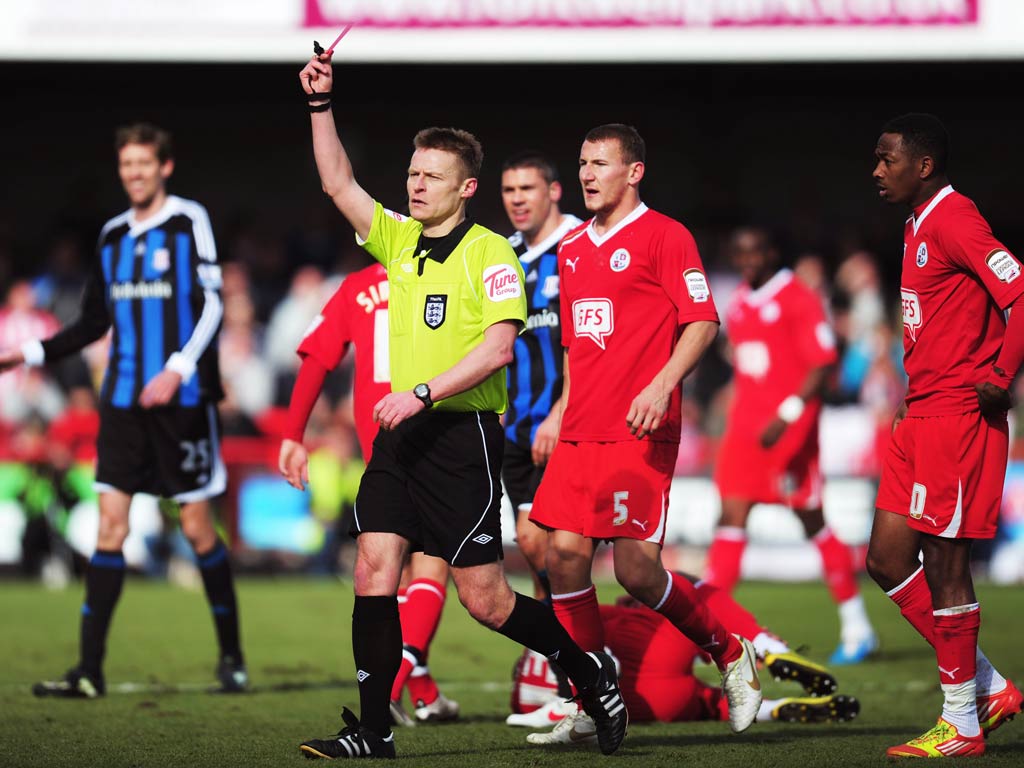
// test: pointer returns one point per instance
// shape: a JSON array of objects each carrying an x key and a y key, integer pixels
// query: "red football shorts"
[
  {"x": 946, "y": 473},
  {"x": 787, "y": 473},
  {"x": 607, "y": 490}
]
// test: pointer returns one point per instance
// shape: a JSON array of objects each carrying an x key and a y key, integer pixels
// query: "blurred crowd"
[{"x": 274, "y": 286}]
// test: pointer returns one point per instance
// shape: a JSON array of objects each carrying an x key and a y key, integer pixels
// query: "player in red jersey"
[
  {"x": 658, "y": 681},
  {"x": 782, "y": 349},
  {"x": 357, "y": 314},
  {"x": 942, "y": 479},
  {"x": 638, "y": 315}
]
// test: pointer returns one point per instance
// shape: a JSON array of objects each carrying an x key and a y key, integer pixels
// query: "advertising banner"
[{"x": 458, "y": 14}]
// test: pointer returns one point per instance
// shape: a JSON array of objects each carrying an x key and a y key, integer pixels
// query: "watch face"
[{"x": 421, "y": 390}]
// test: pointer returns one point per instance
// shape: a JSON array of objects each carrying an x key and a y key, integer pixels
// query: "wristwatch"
[{"x": 422, "y": 392}]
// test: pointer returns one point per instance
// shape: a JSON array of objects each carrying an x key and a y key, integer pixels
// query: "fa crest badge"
[{"x": 435, "y": 309}]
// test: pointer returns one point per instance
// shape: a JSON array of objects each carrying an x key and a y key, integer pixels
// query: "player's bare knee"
[
  {"x": 532, "y": 542},
  {"x": 645, "y": 584},
  {"x": 200, "y": 531},
  {"x": 491, "y": 608},
  {"x": 113, "y": 530},
  {"x": 375, "y": 576},
  {"x": 112, "y": 536},
  {"x": 881, "y": 569},
  {"x": 565, "y": 560}
]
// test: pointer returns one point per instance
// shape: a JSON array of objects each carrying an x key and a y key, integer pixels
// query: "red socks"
[
  {"x": 420, "y": 614},
  {"x": 579, "y": 613},
  {"x": 736, "y": 619},
  {"x": 725, "y": 557},
  {"x": 915, "y": 602},
  {"x": 837, "y": 564},
  {"x": 956, "y": 643},
  {"x": 683, "y": 606}
]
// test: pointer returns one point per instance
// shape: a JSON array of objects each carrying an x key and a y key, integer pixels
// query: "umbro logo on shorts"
[
  {"x": 483, "y": 538},
  {"x": 361, "y": 675}
]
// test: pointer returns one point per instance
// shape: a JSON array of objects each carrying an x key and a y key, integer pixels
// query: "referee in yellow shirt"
[{"x": 456, "y": 305}]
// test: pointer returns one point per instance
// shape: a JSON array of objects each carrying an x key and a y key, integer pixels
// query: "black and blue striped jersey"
[
  {"x": 535, "y": 373},
  {"x": 157, "y": 283}
]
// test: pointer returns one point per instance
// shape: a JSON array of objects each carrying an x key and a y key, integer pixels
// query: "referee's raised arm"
[{"x": 336, "y": 177}]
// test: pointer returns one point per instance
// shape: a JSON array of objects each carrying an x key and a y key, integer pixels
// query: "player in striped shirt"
[{"x": 156, "y": 284}]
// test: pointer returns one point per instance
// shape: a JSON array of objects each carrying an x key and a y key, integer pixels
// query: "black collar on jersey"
[{"x": 440, "y": 248}]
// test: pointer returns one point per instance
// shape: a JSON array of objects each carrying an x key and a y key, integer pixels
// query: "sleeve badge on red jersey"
[
  {"x": 697, "y": 285},
  {"x": 922, "y": 255},
  {"x": 1003, "y": 266}
]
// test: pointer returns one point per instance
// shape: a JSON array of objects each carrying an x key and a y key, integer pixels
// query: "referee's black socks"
[
  {"x": 534, "y": 625},
  {"x": 103, "y": 581},
  {"x": 215, "y": 568},
  {"x": 377, "y": 652}
]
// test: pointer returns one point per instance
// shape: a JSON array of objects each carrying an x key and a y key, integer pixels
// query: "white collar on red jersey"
[
  {"x": 941, "y": 195},
  {"x": 770, "y": 289},
  {"x": 568, "y": 222},
  {"x": 630, "y": 217}
]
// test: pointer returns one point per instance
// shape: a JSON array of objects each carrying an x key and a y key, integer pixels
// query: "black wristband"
[
  {"x": 318, "y": 95},
  {"x": 320, "y": 107}
]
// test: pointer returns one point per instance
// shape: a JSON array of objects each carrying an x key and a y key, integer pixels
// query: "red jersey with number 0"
[
  {"x": 625, "y": 296},
  {"x": 778, "y": 335},
  {"x": 356, "y": 314},
  {"x": 957, "y": 280}
]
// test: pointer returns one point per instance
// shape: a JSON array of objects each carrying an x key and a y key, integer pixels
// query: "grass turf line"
[{"x": 296, "y": 634}]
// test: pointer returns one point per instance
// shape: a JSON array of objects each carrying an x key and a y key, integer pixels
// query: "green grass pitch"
[{"x": 296, "y": 634}]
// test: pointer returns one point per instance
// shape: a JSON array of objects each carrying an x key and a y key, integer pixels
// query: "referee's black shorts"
[
  {"x": 169, "y": 451},
  {"x": 436, "y": 481}
]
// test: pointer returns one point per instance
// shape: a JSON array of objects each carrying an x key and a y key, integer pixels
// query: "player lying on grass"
[{"x": 657, "y": 679}]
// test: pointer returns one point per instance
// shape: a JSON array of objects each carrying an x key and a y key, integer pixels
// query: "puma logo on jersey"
[
  {"x": 642, "y": 526},
  {"x": 950, "y": 672},
  {"x": 930, "y": 519},
  {"x": 572, "y": 263}
]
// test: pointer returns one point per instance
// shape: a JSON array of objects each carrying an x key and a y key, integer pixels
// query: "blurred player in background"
[
  {"x": 782, "y": 349},
  {"x": 455, "y": 307},
  {"x": 530, "y": 192},
  {"x": 156, "y": 281},
  {"x": 639, "y": 316},
  {"x": 357, "y": 314},
  {"x": 657, "y": 661},
  {"x": 942, "y": 478}
]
